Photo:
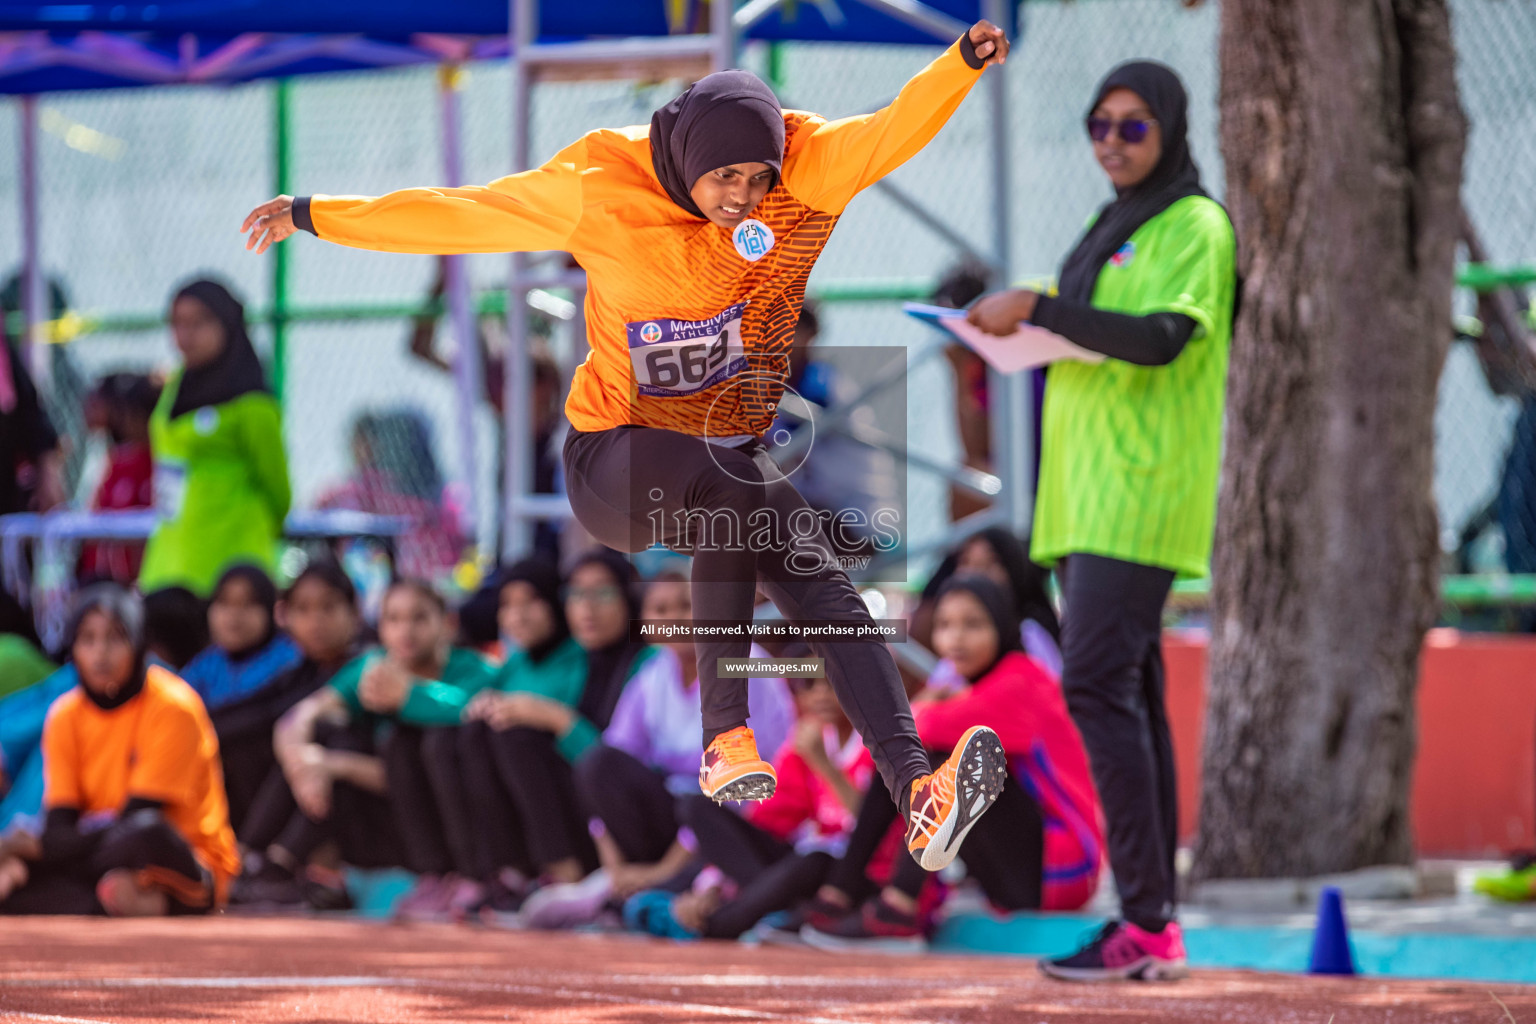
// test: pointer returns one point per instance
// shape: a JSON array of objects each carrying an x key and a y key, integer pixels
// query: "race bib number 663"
[{"x": 677, "y": 358}]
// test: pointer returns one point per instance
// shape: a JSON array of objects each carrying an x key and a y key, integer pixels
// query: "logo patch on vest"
[
  {"x": 753, "y": 239},
  {"x": 1124, "y": 255}
]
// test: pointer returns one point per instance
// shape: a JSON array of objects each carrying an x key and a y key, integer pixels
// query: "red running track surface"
[{"x": 235, "y": 969}]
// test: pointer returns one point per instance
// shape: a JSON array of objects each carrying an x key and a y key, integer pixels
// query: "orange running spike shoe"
[
  {"x": 947, "y": 802},
  {"x": 731, "y": 769}
]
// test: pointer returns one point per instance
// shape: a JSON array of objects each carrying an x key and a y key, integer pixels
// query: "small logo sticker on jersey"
[
  {"x": 206, "y": 420},
  {"x": 1124, "y": 255},
  {"x": 753, "y": 239},
  {"x": 650, "y": 333}
]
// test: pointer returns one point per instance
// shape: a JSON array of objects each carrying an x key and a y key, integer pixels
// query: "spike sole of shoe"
[
  {"x": 978, "y": 782},
  {"x": 753, "y": 786},
  {"x": 1148, "y": 968}
]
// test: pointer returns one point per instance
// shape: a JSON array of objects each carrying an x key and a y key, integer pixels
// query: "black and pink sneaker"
[{"x": 1123, "y": 952}]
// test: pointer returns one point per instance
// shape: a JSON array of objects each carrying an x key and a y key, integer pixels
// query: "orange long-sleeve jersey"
[{"x": 689, "y": 325}]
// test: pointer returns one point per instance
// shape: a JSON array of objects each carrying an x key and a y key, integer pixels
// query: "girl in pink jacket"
[{"x": 1040, "y": 845}]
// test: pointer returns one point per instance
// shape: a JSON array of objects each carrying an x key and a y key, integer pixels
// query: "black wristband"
[
  {"x": 301, "y": 218},
  {"x": 968, "y": 52}
]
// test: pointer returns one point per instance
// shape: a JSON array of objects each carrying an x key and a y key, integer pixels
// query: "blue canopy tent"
[
  {"x": 51, "y": 47},
  {"x": 400, "y": 21}
]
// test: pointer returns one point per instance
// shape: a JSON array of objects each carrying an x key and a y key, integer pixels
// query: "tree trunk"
[{"x": 1343, "y": 137}]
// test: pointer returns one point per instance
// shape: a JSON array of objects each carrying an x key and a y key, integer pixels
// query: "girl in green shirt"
[
  {"x": 481, "y": 782},
  {"x": 408, "y": 695},
  {"x": 1129, "y": 466},
  {"x": 535, "y": 737},
  {"x": 221, "y": 477}
]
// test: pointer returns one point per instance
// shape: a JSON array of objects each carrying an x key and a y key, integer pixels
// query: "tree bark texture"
[{"x": 1343, "y": 137}]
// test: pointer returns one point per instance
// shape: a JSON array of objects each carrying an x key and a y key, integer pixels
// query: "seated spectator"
[
  {"x": 778, "y": 852},
  {"x": 998, "y": 554},
  {"x": 494, "y": 848},
  {"x": 136, "y": 820},
  {"x": 479, "y": 618},
  {"x": 361, "y": 736},
  {"x": 1041, "y": 844},
  {"x": 319, "y": 611},
  {"x": 536, "y": 737},
  {"x": 397, "y": 475},
  {"x": 121, "y": 407},
  {"x": 175, "y": 628},
  {"x": 396, "y": 694},
  {"x": 22, "y": 716},
  {"x": 649, "y": 757},
  {"x": 247, "y": 651}
]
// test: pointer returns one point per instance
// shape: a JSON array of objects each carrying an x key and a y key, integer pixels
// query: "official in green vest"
[
  {"x": 221, "y": 476},
  {"x": 1129, "y": 465}
]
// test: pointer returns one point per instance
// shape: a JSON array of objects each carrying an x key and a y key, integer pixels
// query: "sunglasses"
[{"x": 1132, "y": 130}]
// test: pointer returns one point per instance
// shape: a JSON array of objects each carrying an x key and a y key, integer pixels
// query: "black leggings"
[
  {"x": 769, "y": 874},
  {"x": 361, "y": 823},
  {"x": 481, "y": 823},
  {"x": 632, "y": 487},
  {"x": 142, "y": 841},
  {"x": 428, "y": 847},
  {"x": 1004, "y": 852},
  {"x": 1112, "y": 674},
  {"x": 543, "y": 822},
  {"x": 245, "y": 729},
  {"x": 632, "y": 802},
  {"x": 248, "y": 761}
]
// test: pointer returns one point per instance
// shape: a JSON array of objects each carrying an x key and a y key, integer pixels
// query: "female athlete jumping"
[{"x": 697, "y": 235}]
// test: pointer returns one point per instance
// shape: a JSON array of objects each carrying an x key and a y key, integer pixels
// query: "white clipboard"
[{"x": 1024, "y": 349}]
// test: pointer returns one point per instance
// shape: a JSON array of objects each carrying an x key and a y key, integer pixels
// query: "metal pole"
[
  {"x": 466, "y": 360},
  {"x": 283, "y": 172},
  {"x": 516, "y": 538},
  {"x": 32, "y": 302},
  {"x": 722, "y": 26},
  {"x": 1012, "y": 434}
]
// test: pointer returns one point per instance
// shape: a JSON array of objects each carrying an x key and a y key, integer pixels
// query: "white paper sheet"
[{"x": 1025, "y": 349}]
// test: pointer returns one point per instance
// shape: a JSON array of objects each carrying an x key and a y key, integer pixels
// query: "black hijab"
[
  {"x": 265, "y": 592},
  {"x": 999, "y": 609},
  {"x": 118, "y": 604},
  {"x": 233, "y": 372},
  {"x": 176, "y": 625},
  {"x": 608, "y": 667},
  {"x": 1175, "y": 177},
  {"x": 326, "y": 572},
  {"x": 729, "y": 117},
  {"x": 544, "y": 578},
  {"x": 1026, "y": 579}
]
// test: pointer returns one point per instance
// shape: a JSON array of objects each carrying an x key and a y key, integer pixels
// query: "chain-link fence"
[{"x": 143, "y": 189}]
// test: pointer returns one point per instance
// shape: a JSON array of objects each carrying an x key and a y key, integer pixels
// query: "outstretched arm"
[
  {"x": 827, "y": 167},
  {"x": 528, "y": 212}
]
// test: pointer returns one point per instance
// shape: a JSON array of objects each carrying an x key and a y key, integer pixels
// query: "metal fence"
[{"x": 144, "y": 189}]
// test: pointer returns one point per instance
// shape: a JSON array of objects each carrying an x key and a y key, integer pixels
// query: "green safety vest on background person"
[
  {"x": 1131, "y": 454},
  {"x": 221, "y": 489}
]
